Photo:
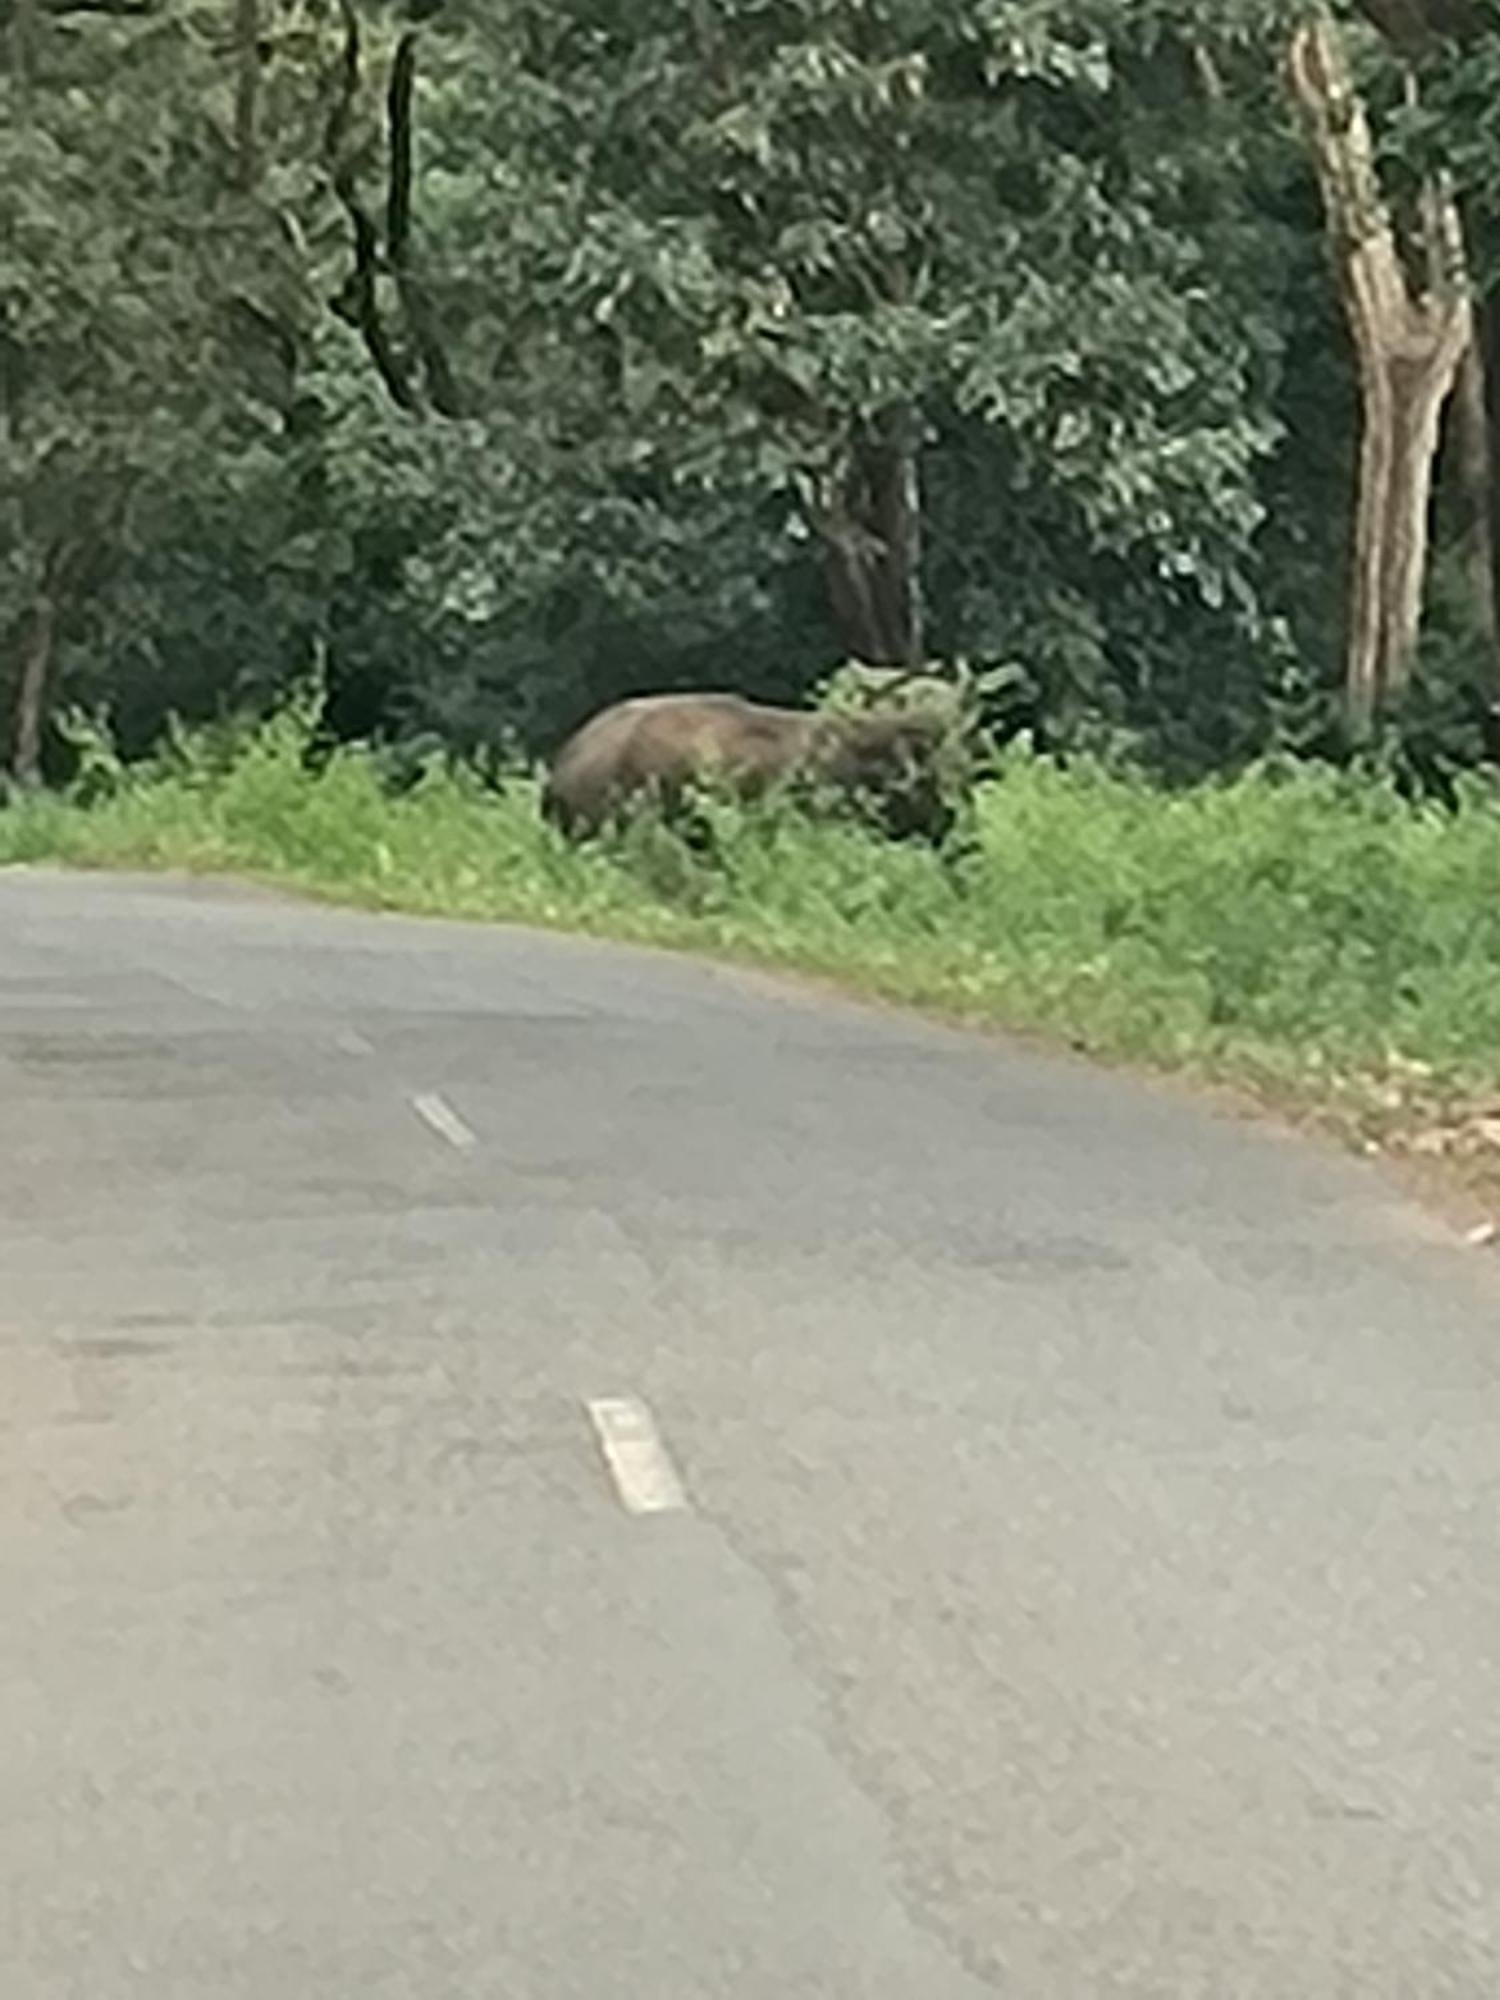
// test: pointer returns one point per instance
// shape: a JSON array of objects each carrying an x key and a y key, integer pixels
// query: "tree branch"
[
  {"x": 358, "y": 299},
  {"x": 442, "y": 385},
  {"x": 398, "y": 121},
  {"x": 123, "y": 10}
]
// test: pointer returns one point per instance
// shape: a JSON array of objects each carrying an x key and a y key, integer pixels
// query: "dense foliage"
[{"x": 500, "y": 358}]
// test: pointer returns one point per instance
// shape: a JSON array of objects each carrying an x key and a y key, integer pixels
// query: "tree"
[
  {"x": 1445, "y": 128},
  {"x": 1410, "y": 332},
  {"x": 713, "y": 344},
  {"x": 144, "y": 293},
  {"x": 796, "y": 267}
]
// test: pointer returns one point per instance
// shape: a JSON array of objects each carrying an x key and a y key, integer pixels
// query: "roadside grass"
[{"x": 1301, "y": 933}]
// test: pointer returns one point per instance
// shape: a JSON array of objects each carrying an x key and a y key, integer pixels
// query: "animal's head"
[{"x": 897, "y": 760}]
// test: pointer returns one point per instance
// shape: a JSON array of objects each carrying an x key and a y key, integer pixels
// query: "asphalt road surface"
[{"x": 536, "y": 1471}]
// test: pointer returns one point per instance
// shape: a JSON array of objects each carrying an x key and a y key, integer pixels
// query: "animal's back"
[
  {"x": 684, "y": 735},
  {"x": 658, "y": 739}
]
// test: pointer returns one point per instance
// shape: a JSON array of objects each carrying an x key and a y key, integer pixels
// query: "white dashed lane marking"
[
  {"x": 639, "y": 1463},
  {"x": 439, "y": 1114}
]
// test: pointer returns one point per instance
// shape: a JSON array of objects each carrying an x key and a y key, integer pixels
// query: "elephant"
[{"x": 655, "y": 746}]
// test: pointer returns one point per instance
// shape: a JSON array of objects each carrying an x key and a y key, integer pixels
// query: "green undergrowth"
[{"x": 1300, "y": 931}]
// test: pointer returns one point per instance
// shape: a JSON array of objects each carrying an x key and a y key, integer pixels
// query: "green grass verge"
[{"x": 1304, "y": 933}]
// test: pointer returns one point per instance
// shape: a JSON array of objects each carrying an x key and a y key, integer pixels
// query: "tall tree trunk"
[
  {"x": 1409, "y": 341},
  {"x": 442, "y": 384},
  {"x": 1403, "y": 415},
  {"x": 35, "y": 680},
  {"x": 872, "y": 536},
  {"x": 1415, "y": 28}
]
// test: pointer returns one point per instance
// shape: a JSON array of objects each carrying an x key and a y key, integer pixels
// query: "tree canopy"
[{"x": 507, "y": 358}]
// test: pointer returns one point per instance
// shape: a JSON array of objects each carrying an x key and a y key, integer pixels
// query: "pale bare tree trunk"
[
  {"x": 1409, "y": 340},
  {"x": 1414, "y": 28}
]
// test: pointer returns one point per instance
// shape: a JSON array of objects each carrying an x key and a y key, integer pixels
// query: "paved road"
[{"x": 1089, "y": 1582}]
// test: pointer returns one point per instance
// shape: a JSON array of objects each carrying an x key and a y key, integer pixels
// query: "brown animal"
[{"x": 655, "y": 746}]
